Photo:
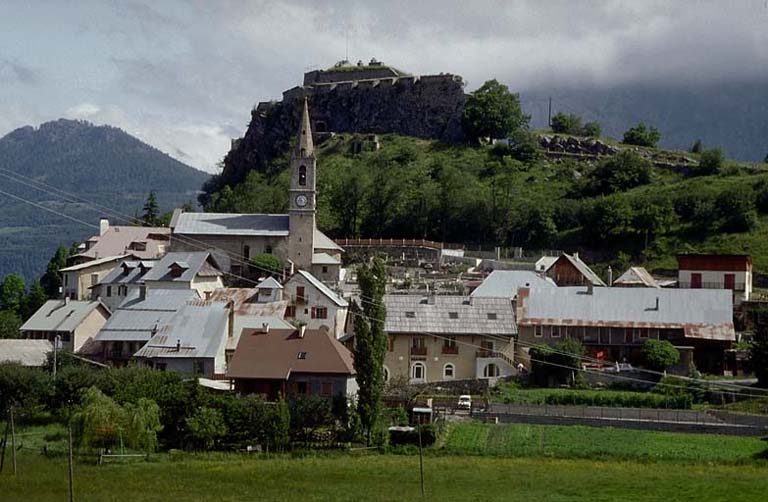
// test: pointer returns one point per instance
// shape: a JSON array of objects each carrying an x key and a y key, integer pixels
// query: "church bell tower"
[{"x": 302, "y": 205}]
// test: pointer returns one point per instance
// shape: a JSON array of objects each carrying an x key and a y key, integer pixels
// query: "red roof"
[{"x": 714, "y": 262}]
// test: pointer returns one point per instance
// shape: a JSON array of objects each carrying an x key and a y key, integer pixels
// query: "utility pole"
[
  {"x": 549, "y": 115},
  {"x": 13, "y": 443},
  {"x": 55, "y": 350},
  {"x": 421, "y": 460},
  {"x": 71, "y": 472}
]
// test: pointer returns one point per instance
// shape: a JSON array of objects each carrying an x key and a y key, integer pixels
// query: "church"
[{"x": 234, "y": 239}]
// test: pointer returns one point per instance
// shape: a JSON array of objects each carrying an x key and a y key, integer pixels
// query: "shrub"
[
  {"x": 607, "y": 398},
  {"x": 641, "y": 135},
  {"x": 618, "y": 173},
  {"x": 592, "y": 129},
  {"x": 697, "y": 146},
  {"x": 563, "y": 123},
  {"x": 659, "y": 354},
  {"x": 267, "y": 263},
  {"x": 736, "y": 209},
  {"x": 555, "y": 365},
  {"x": 711, "y": 161},
  {"x": 205, "y": 428}
]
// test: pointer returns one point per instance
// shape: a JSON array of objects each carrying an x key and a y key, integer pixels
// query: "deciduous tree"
[{"x": 493, "y": 112}]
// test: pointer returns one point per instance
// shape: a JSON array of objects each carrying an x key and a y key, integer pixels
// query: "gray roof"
[
  {"x": 322, "y": 241},
  {"x": 128, "y": 272},
  {"x": 505, "y": 283},
  {"x": 317, "y": 283},
  {"x": 456, "y": 315},
  {"x": 702, "y": 313},
  {"x": 61, "y": 315},
  {"x": 193, "y": 263},
  {"x": 231, "y": 224},
  {"x": 93, "y": 263},
  {"x": 582, "y": 267},
  {"x": 269, "y": 283},
  {"x": 25, "y": 352},
  {"x": 135, "y": 319},
  {"x": 324, "y": 259},
  {"x": 637, "y": 276},
  {"x": 199, "y": 327}
]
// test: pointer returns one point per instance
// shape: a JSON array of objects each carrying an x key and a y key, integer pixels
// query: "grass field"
[
  {"x": 523, "y": 440},
  {"x": 381, "y": 477}
]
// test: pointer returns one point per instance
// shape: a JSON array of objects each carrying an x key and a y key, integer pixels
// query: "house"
[
  {"x": 275, "y": 362},
  {"x": 78, "y": 280},
  {"x": 176, "y": 270},
  {"x": 136, "y": 320},
  {"x": 505, "y": 283},
  {"x": 121, "y": 282},
  {"x": 314, "y": 304},
  {"x": 570, "y": 270},
  {"x": 636, "y": 277},
  {"x": 145, "y": 243},
  {"x": 269, "y": 290},
  {"x": 25, "y": 352},
  {"x": 543, "y": 263},
  {"x": 613, "y": 323},
  {"x": 712, "y": 271},
  {"x": 293, "y": 237},
  {"x": 439, "y": 337},
  {"x": 75, "y": 322}
]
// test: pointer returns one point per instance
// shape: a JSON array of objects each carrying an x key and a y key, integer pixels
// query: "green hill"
[
  {"x": 614, "y": 210},
  {"x": 103, "y": 165}
]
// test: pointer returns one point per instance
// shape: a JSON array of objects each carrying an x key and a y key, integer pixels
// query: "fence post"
[{"x": 13, "y": 442}]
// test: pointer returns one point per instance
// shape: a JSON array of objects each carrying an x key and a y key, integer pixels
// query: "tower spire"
[{"x": 306, "y": 146}]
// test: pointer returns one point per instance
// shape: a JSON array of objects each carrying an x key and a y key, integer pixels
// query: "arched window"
[
  {"x": 490, "y": 371},
  {"x": 303, "y": 175},
  {"x": 385, "y": 373},
  {"x": 449, "y": 371},
  {"x": 418, "y": 372}
]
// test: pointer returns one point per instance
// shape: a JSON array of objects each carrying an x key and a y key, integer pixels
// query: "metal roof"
[
  {"x": 117, "y": 240},
  {"x": 61, "y": 315},
  {"x": 197, "y": 330},
  {"x": 192, "y": 264},
  {"x": 324, "y": 259},
  {"x": 232, "y": 224},
  {"x": 269, "y": 283},
  {"x": 582, "y": 267},
  {"x": 135, "y": 319},
  {"x": 128, "y": 272},
  {"x": 505, "y": 283},
  {"x": 25, "y": 352},
  {"x": 322, "y": 241},
  {"x": 318, "y": 284},
  {"x": 702, "y": 313},
  {"x": 93, "y": 263},
  {"x": 456, "y": 315},
  {"x": 637, "y": 276}
]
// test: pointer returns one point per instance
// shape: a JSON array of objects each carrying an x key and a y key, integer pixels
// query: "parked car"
[{"x": 465, "y": 402}]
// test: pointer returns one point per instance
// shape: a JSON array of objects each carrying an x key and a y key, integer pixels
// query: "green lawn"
[
  {"x": 523, "y": 440},
  {"x": 381, "y": 477}
]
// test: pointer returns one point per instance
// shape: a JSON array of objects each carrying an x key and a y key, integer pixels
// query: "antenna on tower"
[{"x": 346, "y": 37}]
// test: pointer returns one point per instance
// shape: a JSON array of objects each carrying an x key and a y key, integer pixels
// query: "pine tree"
[
  {"x": 151, "y": 216},
  {"x": 51, "y": 280},
  {"x": 370, "y": 344}
]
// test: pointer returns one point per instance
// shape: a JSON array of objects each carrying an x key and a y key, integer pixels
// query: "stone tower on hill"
[
  {"x": 372, "y": 98},
  {"x": 302, "y": 207}
]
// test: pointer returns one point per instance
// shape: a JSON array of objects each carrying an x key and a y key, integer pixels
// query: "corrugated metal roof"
[
  {"x": 457, "y": 315},
  {"x": 703, "y": 313},
  {"x": 192, "y": 263},
  {"x": 637, "y": 276},
  {"x": 199, "y": 328},
  {"x": 25, "y": 352},
  {"x": 317, "y": 283},
  {"x": 61, "y": 315},
  {"x": 505, "y": 283},
  {"x": 232, "y": 224}
]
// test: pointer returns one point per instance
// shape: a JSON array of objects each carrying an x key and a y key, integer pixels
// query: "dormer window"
[
  {"x": 301, "y": 355},
  {"x": 410, "y": 315},
  {"x": 453, "y": 315},
  {"x": 302, "y": 173}
]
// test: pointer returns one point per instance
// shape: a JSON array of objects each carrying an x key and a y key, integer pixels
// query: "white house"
[
  {"x": 314, "y": 304},
  {"x": 706, "y": 271}
]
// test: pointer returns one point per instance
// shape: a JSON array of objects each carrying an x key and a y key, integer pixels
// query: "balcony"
[
  {"x": 451, "y": 350},
  {"x": 487, "y": 353},
  {"x": 418, "y": 351},
  {"x": 709, "y": 285}
]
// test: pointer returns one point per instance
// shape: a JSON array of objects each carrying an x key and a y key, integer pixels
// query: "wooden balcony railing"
[{"x": 450, "y": 350}]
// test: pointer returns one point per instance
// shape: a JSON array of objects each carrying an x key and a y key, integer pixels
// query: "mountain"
[
  {"x": 732, "y": 115},
  {"x": 102, "y": 165}
]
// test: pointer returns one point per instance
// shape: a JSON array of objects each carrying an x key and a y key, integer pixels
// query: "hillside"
[
  {"x": 639, "y": 212},
  {"x": 101, "y": 164}
]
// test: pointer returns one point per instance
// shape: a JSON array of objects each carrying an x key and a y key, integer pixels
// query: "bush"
[
  {"x": 592, "y": 129},
  {"x": 618, "y": 173},
  {"x": 428, "y": 436},
  {"x": 563, "y": 123},
  {"x": 659, "y": 354},
  {"x": 736, "y": 209},
  {"x": 697, "y": 146},
  {"x": 711, "y": 162},
  {"x": 641, "y": 135},
  {"x": 607, "y": 398},
  {"x": 205, "y": 428},
  {"x": 555, "y": 365},
  {"x": 267, "y": 263}
]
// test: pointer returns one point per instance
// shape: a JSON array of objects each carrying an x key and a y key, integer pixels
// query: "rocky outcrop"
[{"x": 578, "y": 146}]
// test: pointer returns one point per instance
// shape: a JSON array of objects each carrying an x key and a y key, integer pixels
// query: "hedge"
[{"x": 599, "y": 398}]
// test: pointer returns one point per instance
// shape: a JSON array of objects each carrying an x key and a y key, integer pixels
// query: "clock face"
[{"x": 301, "y": 200}]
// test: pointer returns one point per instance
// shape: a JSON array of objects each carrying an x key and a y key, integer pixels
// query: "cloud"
[
  {"x": 83, "y": 111},
  {"x": 14, "y": 72}
]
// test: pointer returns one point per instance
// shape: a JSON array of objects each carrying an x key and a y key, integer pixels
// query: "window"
[
  {"x": 161, "y": 366},
  {"x": 492, "y": 316},
  {"x": 319, "y": 313},
  {"x": 300, "y": 294},
  {"x": 66, "y": 279},
  {"x": 301, "y": 355},
  {"x": 418, "y": 372},
  {"x": 268, "y": 249},
  {"x": 555, "y": 331},
  {"x": 385, "y": 373},
  {"x": 538, "y": 331},
  {"x": 449, "y": 345},
  {"x": 109, "y": 291},
  {"x": 290, "y": 311},
  {"x": 302, "y": 175},
  {"x": 418, "y": 346},
  {"x": 729, "y": 281},
  {"x": 449, "y": 371},
  {"x": 198, "y": 367},
  {"x": 453, "y": 315},
  {"x": 325, "y": 269},
  {"x": 627, "y": 335},
  {"x": 418, "y": 342},
  {"x": 641, "y": 333},
  {"x": 94, "y": 279},
  {"x": 326, "y": 388},
  {"x": 410, "y": 315},
  {"x": 696, "y": 281},
  {"x": 391, "y": 340},
  {"x": 246, "y": 252},
  {"x": 490, "y": 371}
]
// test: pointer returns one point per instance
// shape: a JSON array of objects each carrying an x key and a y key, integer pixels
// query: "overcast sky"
[{"x": 183, "y": 74}]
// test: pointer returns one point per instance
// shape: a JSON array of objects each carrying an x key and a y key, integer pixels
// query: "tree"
[
  {"x": 659, "y": 354},
  {"x": 281, "y": 426},
  {"x": 736, "y": 209},
  {"x": 711, "y": 161},
  {"x": 33, "y": 300},
  {"x": 12, "y": 292},
  {"x": 556, "y": 365},
  {"x": 267, "y": 263},
  {"x": 641, "y": 135},
  {"x": 611, "y": 217},
  {"x": 592, "y": 129},
  {"x": 309, "y": 413},
  {"x": 151, "y": 215},
  {"x": 10, "y": 323},
  {"x": 370, "y": 344},
  {"x": 205, "y": 427},
  {"x": 100, "y": 421},
  {"x": 142, "y": 424},
  {"x": 618, "y": 173},
  {"x": 765, "y": 160},
  {"x": 569, "y": 123},
  {"x": 51, "y": 280},
  {"x": 697, "y": 146},
  {"x": 493, "y": 112},
  {"x": 758, "y": 350}
]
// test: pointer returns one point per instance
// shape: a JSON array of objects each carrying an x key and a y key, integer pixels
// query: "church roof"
[
  {"x": 306, "y": 147},
  {"x": 232, "y": 224}
]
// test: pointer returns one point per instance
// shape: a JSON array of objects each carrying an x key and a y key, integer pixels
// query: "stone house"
[
  {"x": 439, "y": 338},
  {"x": 75, "y": 322},
  {"x": 314, "y": 304}
]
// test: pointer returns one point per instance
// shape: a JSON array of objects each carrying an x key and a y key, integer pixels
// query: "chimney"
[
  {"x": 66, "y": 300},
  {"x": 576, "y": 255},
  {"x": 590, "y": 288},
  {"x": 431, "y": 298},
  {"x": 265, "y": 327},
  {"x": 178, "y": 345},
  {"x": 610, "y": 276},
  {"x": 143, "y": 292},
  {"x": 302, "y": 330},
  {"x": 103, "y": 226},
  {"x": 231, "y": 327},
  {"x": 657, "y": 304}
]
